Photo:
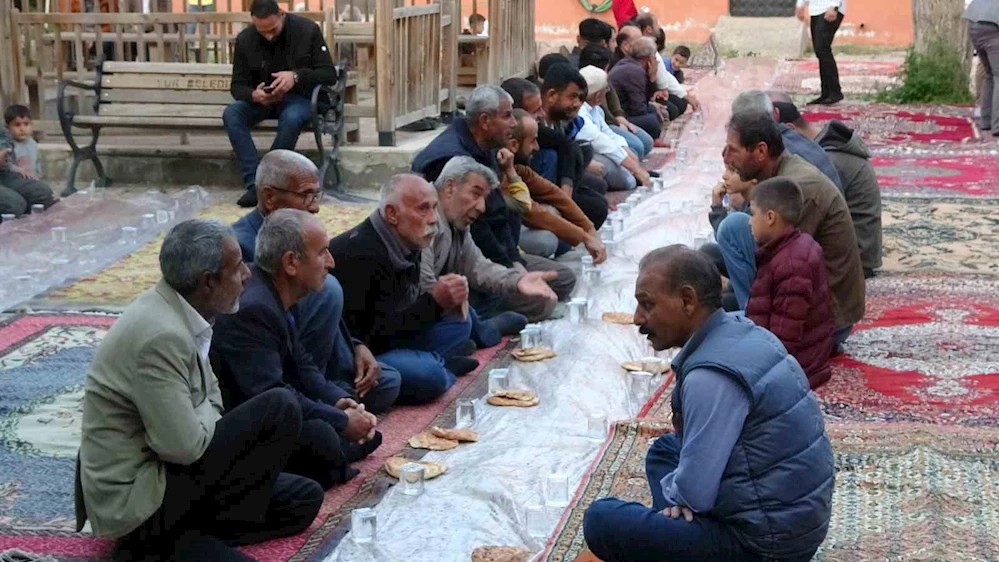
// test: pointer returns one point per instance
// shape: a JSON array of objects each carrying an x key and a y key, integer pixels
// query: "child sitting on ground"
[
  {"x": 20, "y": 186},
  {"x": 790, "y": 295},
  {"x": 677, "y": 61}
]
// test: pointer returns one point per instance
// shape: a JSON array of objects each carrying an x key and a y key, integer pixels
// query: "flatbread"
[
  {"x": 532, "y": 354},
  {"x": 618, "y": 317},
  {"x": 518, "y": 398},
  {"x": 501, "y": 554},
  {"x": 427, "y": 440},
  {"x": 431, "y": 470},
  {"x": 460, "y": 435},
  {"x": 635, "y": 366}
]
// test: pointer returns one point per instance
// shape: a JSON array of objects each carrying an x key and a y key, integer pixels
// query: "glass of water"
[
  {"x": 578, "y": 310},
  {"x": 596, "y": 426},
  {"x": 498, "y": 380},
  {"x": 464, "y": 413},
  {"x": 363, "y": 525},
  {"x": 59, "y": 234},
  {"x": 411, "y": 477},
  {"x": 129, "y": 235},
  {"x": 536, "y": 520},
  {"x": 641, "y": 386},
  {"x": 557, "y": 491}
]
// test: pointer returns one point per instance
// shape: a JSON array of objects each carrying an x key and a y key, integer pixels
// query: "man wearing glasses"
[{"x": 288, "y": 180}]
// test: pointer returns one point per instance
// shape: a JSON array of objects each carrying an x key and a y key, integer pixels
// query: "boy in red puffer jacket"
[{"x": 790, "y": 295}]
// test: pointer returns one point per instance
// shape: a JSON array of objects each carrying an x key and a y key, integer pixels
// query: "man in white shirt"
[
  {"x": 620, "y": 167},
  {"x": 826, "y": 15}
]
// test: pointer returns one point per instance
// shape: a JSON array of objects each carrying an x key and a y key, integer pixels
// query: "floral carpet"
[
  {"x": 856, "y": 75},
  {"x": 890, "y": 124},
  {"x": 939, "y": 176}
]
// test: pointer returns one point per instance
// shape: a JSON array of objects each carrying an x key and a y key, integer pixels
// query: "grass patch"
[{"x": 934, "y": 77}]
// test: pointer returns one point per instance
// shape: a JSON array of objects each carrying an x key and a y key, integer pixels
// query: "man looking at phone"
[{"x": 277, "y": 62}]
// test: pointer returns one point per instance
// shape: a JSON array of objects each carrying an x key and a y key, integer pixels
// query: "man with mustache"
[
  {"x": 423, "y": 334},
  {"x": 462, "y": 188},
  {"x": 748, "y": 473}
]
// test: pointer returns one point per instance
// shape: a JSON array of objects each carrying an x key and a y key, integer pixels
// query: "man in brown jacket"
[
  {"x": 552, "y": 215},
  {"x": 755, "y": 150}
]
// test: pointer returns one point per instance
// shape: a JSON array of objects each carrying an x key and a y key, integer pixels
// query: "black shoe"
[
  {"x": 461, "y": 366},
  {"x": 868, "y": 273},
  {"x": 832, "y": 99},
  {"x": 354, "y": 452},
  {"x": 248, "y": 199},
  {"x": 653, "y": 174},
  {"x": 821, "y": 100}
]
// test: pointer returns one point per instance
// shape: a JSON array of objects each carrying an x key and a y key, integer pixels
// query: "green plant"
[{"x": 932, "y": 77}]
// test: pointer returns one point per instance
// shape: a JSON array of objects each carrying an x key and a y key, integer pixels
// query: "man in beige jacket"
[{"x": 161, "y": 467}]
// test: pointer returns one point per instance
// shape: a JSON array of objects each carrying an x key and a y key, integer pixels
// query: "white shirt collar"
[{"x": 200, "y": 328}]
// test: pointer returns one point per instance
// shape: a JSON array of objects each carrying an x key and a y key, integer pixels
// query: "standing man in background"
[
  {"x": 983, "y": 28},
  {"x": 826, "y": 16}
]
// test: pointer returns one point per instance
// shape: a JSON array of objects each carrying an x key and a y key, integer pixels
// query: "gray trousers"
[
  {"x": 18, "y": 194},
  {"x": 537, "y": 308},
  {"x": 617, "y": 178},
  {"x": 985, "y": 38}
]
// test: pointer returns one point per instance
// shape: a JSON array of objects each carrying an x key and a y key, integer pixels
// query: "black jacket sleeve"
[
  {"x": 249, "y": 344},
  {"x": 321, "y": 71},
  {"x": 240, "y": 87},
  {"x": 491, "y": 232}
]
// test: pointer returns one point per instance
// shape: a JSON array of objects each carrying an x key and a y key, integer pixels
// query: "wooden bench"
[{"x": 187, "y": 97}]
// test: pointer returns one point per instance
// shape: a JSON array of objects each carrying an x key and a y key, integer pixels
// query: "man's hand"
[
  {"x": 693, "y": 101},
  {"x": 505, "y": 159},
  {"x": 801, "y": 11},
  {"x": 366, "y": 369},
  {"x": 831, "y": 14},
  {"x": 262, "y": 97},
  {"x": 643, "y": 177},
  {"x": 360, "y": 425},
  {"x": 626, "y": 124},
  {"x": 717, "y": 193},
  {"x": 535, "y": 284},
  {"x": 345, "y": 403},
  {"x": 677, "y": 511},
  {"x": 662, "y": 111},
  {"x": 595, "y": 168},
  {"x": 596, "y": 248},
  {"x": 22, "y": 172},
  {"x": 4, "y": 152},
  {"x": 450, "y": 291},
  {"x": 282, "y": 82}
]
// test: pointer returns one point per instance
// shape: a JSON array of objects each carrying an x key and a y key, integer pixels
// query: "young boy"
[
  {"x": 790, "y": 295},
  {"x": 20, "y": 187},
  {"x": 677, "y": 61}
]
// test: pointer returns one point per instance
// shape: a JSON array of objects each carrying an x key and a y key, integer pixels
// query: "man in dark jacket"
[
  {"x": 592, "y": 31},
  {"x": 288, "y": 180},
  {"x": 755, "y": 150},
  {"x": 487, "y": 126},
  {"x": 276, "y": 63},
  {"x": 790, "y": 295},
  {"x": 563, "y": 162},
  {"x": 630, "y": 78},
  {"x": 424, "y": 335},
  {"x": 257, "y": 349},
  {"x": 748, "y": 473},
  {"x": 860, "y": 182}
]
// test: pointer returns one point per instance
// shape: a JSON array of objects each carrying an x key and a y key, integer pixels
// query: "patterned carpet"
[
  {"x": 890, "y": 124},
  {"x": 43, "y": 365},
  {"x": 858, "y": 75}
]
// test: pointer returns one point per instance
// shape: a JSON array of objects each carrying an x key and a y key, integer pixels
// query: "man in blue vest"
[{"x": 748, "y": 473}]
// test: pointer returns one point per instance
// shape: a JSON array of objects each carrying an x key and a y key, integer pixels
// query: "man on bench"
[{"x": 277, "y": 62}]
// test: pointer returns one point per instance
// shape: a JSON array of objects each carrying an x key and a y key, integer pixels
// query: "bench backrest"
[{"x": 131, "y": 89}]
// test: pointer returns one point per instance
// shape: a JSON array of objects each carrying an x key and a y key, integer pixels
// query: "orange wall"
[{"x": 869, "y": 22}]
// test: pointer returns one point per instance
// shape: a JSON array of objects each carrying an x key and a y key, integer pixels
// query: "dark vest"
[{"x": 777, "y": 487}]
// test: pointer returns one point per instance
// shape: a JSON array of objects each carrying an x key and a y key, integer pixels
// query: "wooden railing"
[{"x": 512, "y": 49}]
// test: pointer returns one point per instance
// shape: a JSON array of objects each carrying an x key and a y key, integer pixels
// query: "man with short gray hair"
[
  {"x": 258, "y": 349},
  {"x": 162, "y": 466},
  {"x": 288, "y": 180}
]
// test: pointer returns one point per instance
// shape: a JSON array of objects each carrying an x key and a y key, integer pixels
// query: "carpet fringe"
[{"x": 18, "y": 555}]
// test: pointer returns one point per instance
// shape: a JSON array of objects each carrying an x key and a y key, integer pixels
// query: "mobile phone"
[{"x": 268, "y": 89}]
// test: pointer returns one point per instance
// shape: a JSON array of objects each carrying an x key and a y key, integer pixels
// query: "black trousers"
[
  {"x": 235, "y": 493},
  {"x": 675, "y": 106},
  {"x": 823, "y": 33},
  {"x": 321, "y": 455},
  {"x": 588, "y": 194}
]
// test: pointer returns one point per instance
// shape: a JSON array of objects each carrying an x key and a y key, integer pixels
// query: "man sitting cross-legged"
[
  {"x": 462, "y": 188},
  {"x": 424, "y": 335},
  {"x": 748, "y": 473},
  {"x": 257, "y": 349},
  {"x": 288, "y": 180},
  {"x": 161, "y": 465}
]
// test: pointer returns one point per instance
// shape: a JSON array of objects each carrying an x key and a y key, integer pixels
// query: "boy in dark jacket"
[{"x": 790, "y": 295}]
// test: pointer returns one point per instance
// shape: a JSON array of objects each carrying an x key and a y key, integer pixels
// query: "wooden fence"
[{"x": 512, "y": 49}]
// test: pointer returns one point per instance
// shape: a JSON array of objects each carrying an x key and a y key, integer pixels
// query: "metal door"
[{"x": 762, "y": 8}]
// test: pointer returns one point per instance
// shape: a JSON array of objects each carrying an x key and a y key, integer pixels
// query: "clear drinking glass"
[
  {"x": 59, "y": 234},
  {"x": 596, "y": 426},
  {"x": 411, "y": 477},
  {"x": 536, "y": 520},
  {"x": 578, "y": 310},
  {"x": 7, "y": 217},
  {"x": 526, "y": 338},
  {"x": 557, "y": 491},
  {"x": 586, "y": 260},
  {"x": 499, "y": 379},
  {"x": 147, "y": 222},
  {"x": 363, "y": 525},
  {"x": 592, "y": 276},
  {"x": 606, "y": 234},
  {"x": 624, "y": 210},
  {"x": 618, "y": 223},
  {"x": 129, "y": 235},
  {"x": 464, "y": 413},
  {"x": 37, "y": 208},
  {"x": 641, "y": 386}
]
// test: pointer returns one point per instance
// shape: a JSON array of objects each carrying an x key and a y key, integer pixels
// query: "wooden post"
[
  {"x": 385, "y": 121},
  {"x": 449, "y": 53},
  {"x": 8, "y": 74},
  {"x": 497, "y": 34}
]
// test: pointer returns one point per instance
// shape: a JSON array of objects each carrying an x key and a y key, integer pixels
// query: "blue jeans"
[
  {"x": 421, "y": 363},
  {"x": 192, "y": 28},
  {"x": 293, "y": 113},
  {"x": 738, "y": 248},
  {"x": 318, "y": 317},
  {"x": 639, "y": 142},
  {"x": 618, "y": 531}
]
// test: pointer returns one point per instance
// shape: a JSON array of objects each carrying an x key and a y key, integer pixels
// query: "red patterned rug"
[
  {"x": 43, "y": 364},
  {"x": 890, "y": 124},
  {"x": 856, "y": 76},
  {"x": 927, "y": 351},
  {"x": 976, "y": 176}
]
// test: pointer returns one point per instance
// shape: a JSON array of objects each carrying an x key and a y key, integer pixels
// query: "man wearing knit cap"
[{"x": 622, "y": 169}]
